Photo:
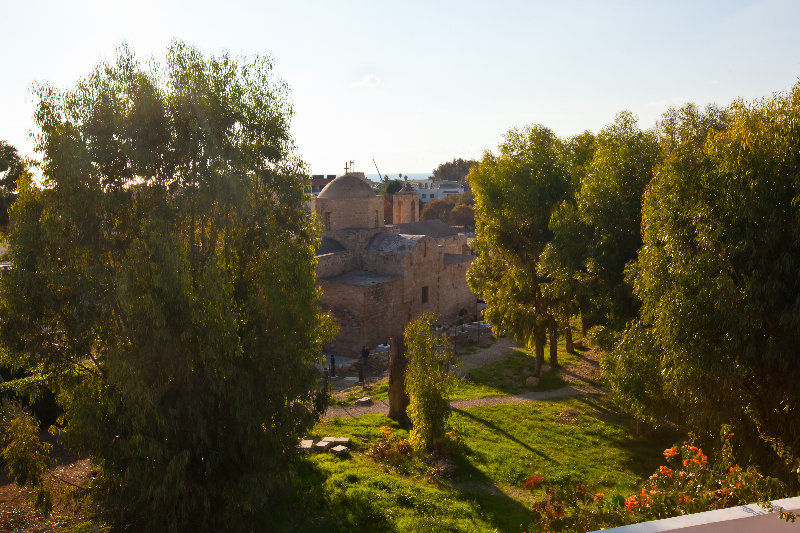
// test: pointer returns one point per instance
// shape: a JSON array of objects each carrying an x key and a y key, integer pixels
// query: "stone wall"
[
  {"x": 340, "y": 213},
  {"x": 353, "y": 238},
  {"x": 405, "y": 207},
  {"x": 456, "y": 300},
  {"x": 366, "y": 314},
  {"x": 333, "y": 264},
  {"x": 371, "y": 314}
]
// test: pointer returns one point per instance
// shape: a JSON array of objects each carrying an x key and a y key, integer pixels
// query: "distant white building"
[{"x": 436, "y": 190}]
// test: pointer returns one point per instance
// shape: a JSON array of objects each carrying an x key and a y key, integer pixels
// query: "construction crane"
[{"x": 380, "y": 176}]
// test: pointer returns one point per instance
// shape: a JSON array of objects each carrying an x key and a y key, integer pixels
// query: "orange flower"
[
  {"x": 599, "y": 496},
  {"x": 669, "y": 453},
  {"x": 665, "y": 471},
  {"x": 631, "y": 504}
]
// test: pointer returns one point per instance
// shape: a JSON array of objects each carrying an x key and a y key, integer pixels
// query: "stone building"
[{"x": 376, "y": 277}]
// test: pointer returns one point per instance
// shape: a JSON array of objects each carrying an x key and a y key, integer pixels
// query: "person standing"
[{"x": 363, "y": 371}]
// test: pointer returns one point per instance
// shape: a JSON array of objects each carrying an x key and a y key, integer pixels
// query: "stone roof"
[
  {"x": 347, "y": 186},
  {"x": 394, "y": 243},
  {"x": 361, "y": 278},
  {"x": 329, "y": 246},
  {"x": 432, "y": 228},
  {"x": 451, "y": 259}
]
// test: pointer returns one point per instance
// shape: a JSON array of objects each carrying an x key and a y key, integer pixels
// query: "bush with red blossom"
[{"x": 687, "y": 484}]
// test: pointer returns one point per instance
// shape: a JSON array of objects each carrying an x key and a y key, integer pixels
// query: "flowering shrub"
[
  {"x": 687, "y": 484},
  {"x": 391, "y": 448}
]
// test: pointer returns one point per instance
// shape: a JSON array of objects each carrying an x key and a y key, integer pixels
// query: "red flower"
[
  {"x": 533, "y": 481},
  {"x": 669, "y": 453},
  {"x": 665, "y": 471},
  {"x": 599, "y": 496}
]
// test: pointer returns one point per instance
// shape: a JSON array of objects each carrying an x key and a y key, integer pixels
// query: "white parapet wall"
[{"x": 746, "y": 518}]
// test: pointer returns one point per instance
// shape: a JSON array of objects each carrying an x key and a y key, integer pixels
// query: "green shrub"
[
  {"x": 687, "y": 484},
  {"x": 603, "y": 337},
  {"x": 428, "y": 383}
]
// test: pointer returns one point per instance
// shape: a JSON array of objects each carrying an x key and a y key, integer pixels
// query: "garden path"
[{"x": 382, "y": 407}]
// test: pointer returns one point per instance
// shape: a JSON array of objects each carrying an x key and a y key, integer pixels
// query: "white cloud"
[
  {"x": 367, "y": 82},
  {"x": 658, "y": 103}
]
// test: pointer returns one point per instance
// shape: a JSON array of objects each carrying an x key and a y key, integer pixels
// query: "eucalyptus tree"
[
  {"x": 12, "y": 168},
  {"x": 610, "y": 203},
  {"x": 718, "y": 276},
  {"x": 515, "y": 191},
  {"x": 564, "y": 261},
  {"x": 164, "y": 286}
]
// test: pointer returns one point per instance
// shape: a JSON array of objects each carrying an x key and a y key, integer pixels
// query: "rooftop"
[
  {"x": 347, "y": 186},
  {"x": 361, "y": 278},
  {"x": 431, "y": 228},
  {"x": 392, "y": 242}
]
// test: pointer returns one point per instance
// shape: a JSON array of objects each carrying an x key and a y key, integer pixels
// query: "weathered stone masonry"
[{"x": 375, "y": 278}]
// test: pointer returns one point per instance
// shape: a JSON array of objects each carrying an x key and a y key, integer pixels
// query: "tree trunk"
[
  {"x": 584, "y": 324},
  {"x": 553, "y": 346},
  {"x": 398, "y": 399},
  {"x": 538, "y": 340},
  {"x": 568, "y": 339}
]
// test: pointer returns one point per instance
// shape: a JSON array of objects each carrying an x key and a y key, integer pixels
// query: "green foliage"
[
  {"x": 12, "y": 168},
  {"x": 462, "y": 215},
  {"x": 25, "y": 455},
  {"x": 717, "y": 277},
  {"x": 610, "y": 204},
  {"x": 515, "y": 192},
  {"x": 603, "y": 337},
  {"x": 428, "y": 383},
  {"x": 687, "y": 484},
  {"x": 164, "y": 286},
  {"x": 565, "y": 260},
  {"x": 568, "y": 441},
  {"x": 455, "y": 170},
  {"x": 437, "y": 209},
  {"x": 389, "y": 187},
  {"x": 455, "y": 212}
]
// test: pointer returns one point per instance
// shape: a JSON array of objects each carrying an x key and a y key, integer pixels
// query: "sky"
[{"x": 414, "y": 84}]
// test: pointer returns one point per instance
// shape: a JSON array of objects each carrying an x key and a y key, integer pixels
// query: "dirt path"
[
  {"x": 497, "y": 351},
  {"x": 586, "y": 370},
  {"x": 582, "y": 377},
  {"x": 382, "y": 407}
]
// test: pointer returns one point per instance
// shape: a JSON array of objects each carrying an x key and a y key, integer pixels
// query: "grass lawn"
[
  {"x": 500, "y": 378},
  {"x": 571, "y": 440}
]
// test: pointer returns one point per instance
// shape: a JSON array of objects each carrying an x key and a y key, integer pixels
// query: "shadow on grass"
[
  {"x": 501, "y": 510},
  {"x": 497, "y": 429},
  {"x": 643, "y": 452},
  {"x": 306, "y": 506}
]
